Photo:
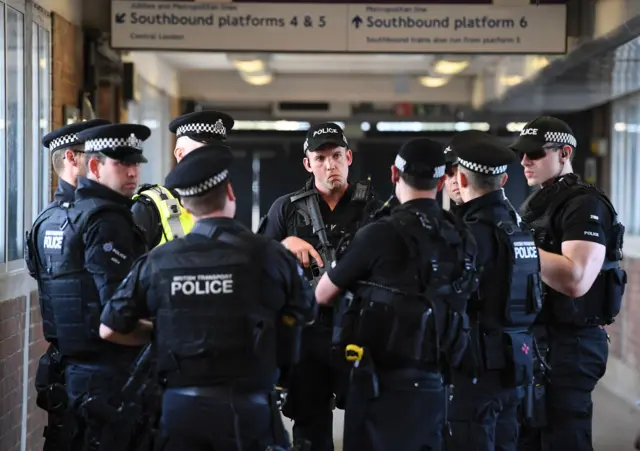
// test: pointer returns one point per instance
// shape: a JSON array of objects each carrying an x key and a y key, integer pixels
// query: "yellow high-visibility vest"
[{"x": 175, "y": 220}]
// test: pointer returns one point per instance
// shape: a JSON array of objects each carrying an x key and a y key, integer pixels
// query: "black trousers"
[
  {"x": 315, "y": 384},
  {"x": 484, "y": 416},
  {"x": 219, "y": 419},
  {"x": 578, "y": 360},
  {"x": 103, "y": 382},
  {"x": 408, "y": 413}
]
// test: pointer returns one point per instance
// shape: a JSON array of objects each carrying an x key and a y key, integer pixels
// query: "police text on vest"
[
  {"x": 53, "y": 239},
  {"x": 202, "y": 284},
  {"x": 525, "y": 249}
]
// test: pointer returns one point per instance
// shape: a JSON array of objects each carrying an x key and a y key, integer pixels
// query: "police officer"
[
  {"x": 157, "y": 210},
  {"x": 343, "y": 207},
  {"x": 68, "y": 162},
  {"x": 451, "y": 182},
  {"x": 85, "y": 250},
  {"x": 580, "y": 245},
  {"x": 67, "y": 156},
  {"x": 229, "y": 308},
  {"x": 412, "y": 273},
  {"x": 498, "y": 364}
]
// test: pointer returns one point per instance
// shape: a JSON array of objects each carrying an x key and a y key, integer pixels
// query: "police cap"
[
  {"x": 202, "y": 126},
  {"x": 66, "y": 136},
  {"x": 482, "y": 153},
  {"x": 201, "y": 170},
  {"x": 450, "y": 156},
  {"x": 421, "y": 157},
  {"x": 542, "y": 131},
  {"x": 322, "y": 134},
  {"x": 122, "y": 142}
]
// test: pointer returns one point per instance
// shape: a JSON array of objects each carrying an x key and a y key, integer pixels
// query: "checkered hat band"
[
  {"x": 214, "y": 129},
  {"x": 204, "y": 186},
  {"x": 439, "y": 171},
  {"x": 560, "y": 138},
  {"x": 99, "y": 144},
  {"x": 401, "y": 164},
  {"x": 481, "y": 168},
  {"x": 62, "y": 141}
]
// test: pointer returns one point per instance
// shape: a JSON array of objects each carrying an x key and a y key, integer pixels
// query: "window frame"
[
  {"x": 14, "y": 281},
  {"x": 18, "y": 263},
  {"x": 41, "y": 158}
]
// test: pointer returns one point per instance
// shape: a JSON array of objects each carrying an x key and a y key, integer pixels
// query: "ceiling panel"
[
  {"x": 303, "y": 63},
  {"x": 196, "y": 60}
]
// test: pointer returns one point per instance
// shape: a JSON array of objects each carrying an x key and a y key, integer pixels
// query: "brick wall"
[
  {"x": 36, "y": 417},
  {"x": 67, "y": 65},
  {"x": 625, "y": 332},
  {"x": 12, "y": 326},
  {"x": 623, "y": 369}
]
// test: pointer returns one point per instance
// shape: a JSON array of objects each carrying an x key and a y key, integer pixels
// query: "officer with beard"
[
  {"x": 344, "y": 207},
  {"x": 85, "y": 250},
  {"x": 498, "y": 365},
  {"x": 157, "y": 210},
  {"x": 411, "y": 275},
  {"x": 580, "y": 245},
  {"x": 229, "y": 307},
  {"x": 69, "y": 163}
]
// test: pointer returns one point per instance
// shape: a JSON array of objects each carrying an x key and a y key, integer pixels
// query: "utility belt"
[
  {"x": 510, "y": 352},
  {"x": 224, "y": 392},
  {"x": 409, "y": 378},
  {"x": 199, "y": 373},
  {"x": 382, "y": 328}
]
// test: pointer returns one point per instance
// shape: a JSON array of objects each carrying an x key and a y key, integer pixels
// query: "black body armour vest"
[
  {"x": 501, "y": 316},
  {"x": 341, "y": 235},
  {"x": 416, "y": 317},
  {"x": 68, "y": 295},
  {"x": 602, "y": 303},
  {"x": 31, "y": 259},
  {"x": 212, "y": 327}
]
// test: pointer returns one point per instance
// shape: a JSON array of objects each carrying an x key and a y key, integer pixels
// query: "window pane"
[
  {"x": 3, "y": 142},
  {"x": 15, "y": 134},
  {"x": 35, "y": 134},
  {"x": 44, "y": 76}
]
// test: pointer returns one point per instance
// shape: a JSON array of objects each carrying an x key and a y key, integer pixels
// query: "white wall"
[
  {"x": 155, "y": 71},
  {"x": 153, "y": 109},
  {"x": 69, "y": 9},
  {"x": 610, "y": 14}
]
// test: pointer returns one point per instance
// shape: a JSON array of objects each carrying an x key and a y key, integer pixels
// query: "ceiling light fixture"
[
  {"x": 445, "y": 67},
  {"x": 433, "y": 82},
  {"x": 259, "y": 79},
  {"x": 250, "y": 66},
  {"x": 538, "y": 63},
  {"x": 511, "y": 80}
]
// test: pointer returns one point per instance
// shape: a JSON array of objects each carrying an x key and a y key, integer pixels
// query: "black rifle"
[
  {"x": 131, "y": 412},
  {"x": 307, "y": 205}
]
